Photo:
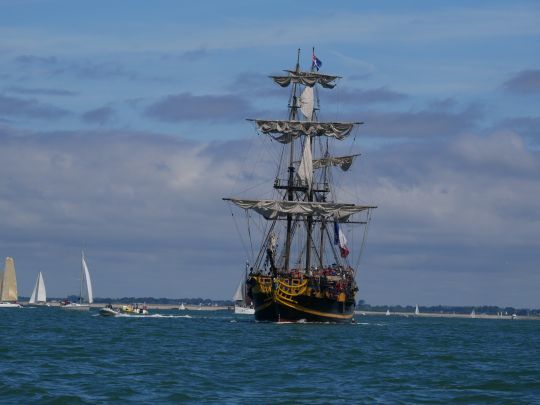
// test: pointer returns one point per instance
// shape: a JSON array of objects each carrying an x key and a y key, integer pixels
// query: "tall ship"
[{"x": 303, "y": 267}]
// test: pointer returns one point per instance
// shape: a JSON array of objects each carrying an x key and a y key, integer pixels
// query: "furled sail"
[
  {"x": 305, "y": 169},
  {"x": 87, "y": 295},
  {"x": 344, "y": 162},
  {"x": 306, "y": 78},
  {"x": 306, "y": 103},
  {"x": 273, "y": 209},
  {"x": 9, "y": 282},
  {"x": 290, "y": 130},
  {"x": 39, "y": 293}
]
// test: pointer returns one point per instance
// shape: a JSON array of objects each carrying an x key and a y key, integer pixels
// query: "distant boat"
[
  {"x": 387, "y": 312},
  {"x": 39, "y": 295},
  {"x": 182, "y": 307},
  {"x": 242, "y": 303},
  {"x": 109, "y": 311},
  {"x": 416, "y": 310},
  {"x": 134, "y": 309},
  {"x": 473, "y": 314},
  {"x": 8, "y": 286},
  {"x": 85, "y": 296}
]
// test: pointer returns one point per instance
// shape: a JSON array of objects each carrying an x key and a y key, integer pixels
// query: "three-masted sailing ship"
[{"x": 302, "y": 271}]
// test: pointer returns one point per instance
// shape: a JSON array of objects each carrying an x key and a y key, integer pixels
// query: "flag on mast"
[
  {"x": 340, "y": 239},
  {"x": 316, "y": 62}
]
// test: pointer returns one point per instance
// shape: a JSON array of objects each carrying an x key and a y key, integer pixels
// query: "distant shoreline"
[{"x": 439, "y": 315}]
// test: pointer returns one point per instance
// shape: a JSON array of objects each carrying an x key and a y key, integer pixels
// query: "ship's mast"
[
  {"x": 309, "y": 221},
  {"x": 293, "y": 114}
]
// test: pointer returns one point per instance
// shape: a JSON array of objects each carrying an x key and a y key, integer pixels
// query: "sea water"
[{"x": 58, "y": 356}]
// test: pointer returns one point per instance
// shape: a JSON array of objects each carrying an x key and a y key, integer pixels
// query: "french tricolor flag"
[
  {"x": 340, "y": 240},
  {"x": 316, "y": 62}
]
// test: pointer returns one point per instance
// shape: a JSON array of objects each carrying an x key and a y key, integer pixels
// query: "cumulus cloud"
[
  {"x": 84, "y": 68},
  {"x": 189, "y": 107},
  {"x": 30, "y": 108},
  {"x": 524, "y": 82},
  {"x": 40, "y": 91},
  {"x": 149, "y": 206},
  {"x": 154, "y": 200},
  {"x": 465, "y": 207},
  {"x": 99, "y": 116},
  {"x": 367, "y": 96},
  {"x": 428, "y": 124}
]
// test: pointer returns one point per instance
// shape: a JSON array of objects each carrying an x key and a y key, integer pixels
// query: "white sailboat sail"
[
  {"x": 39, "y": 294},
  {"x": 305, "y": 169},
  {"x": 9, "y": 282},
  {"x": 239, "y": 293},
  {"x": 86, "y": 288}
]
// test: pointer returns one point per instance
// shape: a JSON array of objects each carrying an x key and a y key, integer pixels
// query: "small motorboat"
[
  {"x": 109, "y": 311},
  {"x": 74, "y": 306}
]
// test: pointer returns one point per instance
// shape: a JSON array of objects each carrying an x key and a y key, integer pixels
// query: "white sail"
[
  {"x": 306, "y": 78},
  {"x": 416, "y": 310},
  {"x": 291, "y": 130},
  {"x": 39, "y": 294},
  {"x": 305, "y": 170},
  {"x": 86, "y": 294},
  {"x": 9, "y": 282},
  {"x": 272, "y": 209},
  {"x": 306, "y": 103},
  {"x": 239, "y": 293},
  {"x": 344, "y": 162}
]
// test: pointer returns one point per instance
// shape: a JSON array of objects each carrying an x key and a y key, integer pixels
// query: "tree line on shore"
[{"x": 449, "y": 309}]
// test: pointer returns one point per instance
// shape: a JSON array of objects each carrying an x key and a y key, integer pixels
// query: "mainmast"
[
  {"x": 309, "y": 192},
  {"x": 293, "y": 112}
]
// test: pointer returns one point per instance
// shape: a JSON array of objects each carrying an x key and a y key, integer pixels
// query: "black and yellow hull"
[{"x": 293, "y": 300}]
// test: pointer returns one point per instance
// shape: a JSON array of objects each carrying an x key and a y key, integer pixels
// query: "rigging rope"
[
  {"x": 250, "y": 239},
  {"x": 366, "y": 228},
  {"x": 239, "y": 233}
]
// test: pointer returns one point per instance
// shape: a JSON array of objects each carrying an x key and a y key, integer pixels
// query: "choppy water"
[{"x": 52, "y": 355}]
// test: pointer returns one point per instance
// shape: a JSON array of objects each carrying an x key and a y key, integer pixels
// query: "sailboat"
[
  {"x": 301, "y": 270},
  {"x": 85, "y": 296},
  {"x": 416, "y": 310},
  {"x": 39, "y": 294},
  {"x": 387, "y": 312},
  {"x": 473, "y": 313},
  {"x": 242, "y": 303},
  {"x": 8, "y": 286},
  {"x": 182, "y": 307}
]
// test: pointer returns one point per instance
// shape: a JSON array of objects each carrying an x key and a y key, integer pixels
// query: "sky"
[{"x": 122, "y": 126}]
